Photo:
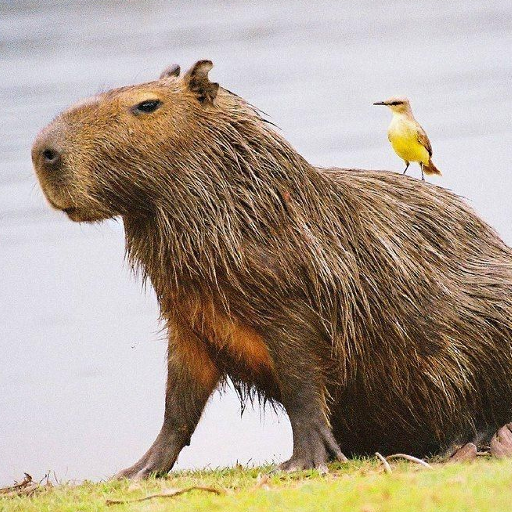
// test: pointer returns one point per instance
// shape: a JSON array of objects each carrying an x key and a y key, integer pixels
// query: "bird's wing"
[{"x": 423, "y": 140}]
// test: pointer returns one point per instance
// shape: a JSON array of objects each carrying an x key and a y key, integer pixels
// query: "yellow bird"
[{"x": 408, "y": 138}]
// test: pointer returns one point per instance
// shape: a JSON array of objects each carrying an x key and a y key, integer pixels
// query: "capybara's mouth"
[
  {"x": 84, "y": 215},
  {"x": 79, "y": 214},
  {"x": 55, "y": 204}
]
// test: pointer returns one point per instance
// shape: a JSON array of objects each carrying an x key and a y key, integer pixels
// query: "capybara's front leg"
[{"x": 191, "y": 378}]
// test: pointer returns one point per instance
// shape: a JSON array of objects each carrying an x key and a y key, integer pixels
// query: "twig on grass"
[
  {"x": 411, "y": 458},
  {"x": 169, "y": 494},
  {"x": 385, "y": 463},
  {"x": 26, "y": 480},
  {"x": 25, "y": 488}
]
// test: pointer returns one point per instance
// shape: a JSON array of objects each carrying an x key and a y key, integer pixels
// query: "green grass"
[{"x": 358, "y": 486}]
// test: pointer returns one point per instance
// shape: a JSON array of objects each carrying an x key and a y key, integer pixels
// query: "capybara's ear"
[
  {"x": 198, "y": 82},
  {"x": 172, "y": 70}
]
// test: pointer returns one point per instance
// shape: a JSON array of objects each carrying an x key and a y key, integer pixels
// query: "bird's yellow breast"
[{"x": 403, "y": 135}]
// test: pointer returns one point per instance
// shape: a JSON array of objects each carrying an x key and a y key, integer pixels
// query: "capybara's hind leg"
[
  {"x": 303, "y": 395},
  {"x": 501, "y": 443},
  {"x": 313, "y": 442},
  {"x": 191, "y": 379}
]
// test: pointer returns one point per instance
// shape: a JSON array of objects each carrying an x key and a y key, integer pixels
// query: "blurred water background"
[{"x": 82, "y": 358}]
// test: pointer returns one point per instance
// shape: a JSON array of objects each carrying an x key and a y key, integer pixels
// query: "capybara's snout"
[
  {"x": 47, "y": 152},
  {"x": 55, "y": 161}
]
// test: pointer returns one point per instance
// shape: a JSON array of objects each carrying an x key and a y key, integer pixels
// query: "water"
[{"x": 82, "y": 370}]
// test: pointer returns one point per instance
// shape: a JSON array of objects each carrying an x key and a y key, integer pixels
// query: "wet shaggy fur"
[{"x": 365, "y": 302}]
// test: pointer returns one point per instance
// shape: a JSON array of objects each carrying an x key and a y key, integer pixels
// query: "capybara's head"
[{"x": 113, "y": 154}]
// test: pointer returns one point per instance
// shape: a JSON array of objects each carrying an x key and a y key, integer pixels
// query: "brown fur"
[
  {"x": 191, "y": 355},
  {"x": 364, "y": 301},
  {"x": 240, "y": 342}
]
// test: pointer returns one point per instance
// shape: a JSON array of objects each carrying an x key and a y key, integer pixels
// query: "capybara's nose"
[
  {"x": 50, "y": 157},
  {"x": 46, "y": 153}
]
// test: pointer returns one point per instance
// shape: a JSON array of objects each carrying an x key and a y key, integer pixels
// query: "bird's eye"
[{"x": 146, "y": 107}]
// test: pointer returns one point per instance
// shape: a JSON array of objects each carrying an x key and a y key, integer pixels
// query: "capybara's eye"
[{"x": 146, "y": 107}]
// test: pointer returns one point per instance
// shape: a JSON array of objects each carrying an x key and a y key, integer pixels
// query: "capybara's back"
[
  {"x": 375, "y": 308},
  {"x": 431, "y": 362}
]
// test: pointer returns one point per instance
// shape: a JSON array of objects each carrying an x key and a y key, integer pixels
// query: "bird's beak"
[{"x": 380, "y": 103}]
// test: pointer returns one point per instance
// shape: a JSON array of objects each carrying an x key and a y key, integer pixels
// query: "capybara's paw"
[
  {"x": 465, "y": 453},
  {"x": 141, "y": 472},
  {"x": 156, "y": 462},
  {"x": 501, "y": 443},
  {"x": 302, "y": 463},
  {"x": 313, "y": 450},
  {"x": 133, "y": 473},
  {"x": 130, "y": 473}
]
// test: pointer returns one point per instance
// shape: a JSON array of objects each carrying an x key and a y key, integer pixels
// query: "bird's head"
[{"x": 398, "y": 104}]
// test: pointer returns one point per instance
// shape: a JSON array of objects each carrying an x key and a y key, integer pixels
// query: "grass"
[{"x": 357, "y": 486}]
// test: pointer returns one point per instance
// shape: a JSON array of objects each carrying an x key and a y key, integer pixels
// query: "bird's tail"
[{"x": 430, "y": 168}]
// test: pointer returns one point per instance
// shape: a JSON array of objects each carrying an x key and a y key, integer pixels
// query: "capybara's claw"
[
  {"x": 142, "y": 474},
  {"x": 303, "y": 463},
  {"x": 157, "y": 462},
  {"x": 501, "y": 443},
  {"x": 313, "y": 451},
  {"x": 465, "y": 453},
  {"x": 128, "y": 473},
  {"x": 136, "y": 472}
]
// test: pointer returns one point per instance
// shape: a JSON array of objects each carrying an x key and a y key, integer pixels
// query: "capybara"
[{"x": 374, "y": 308}]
